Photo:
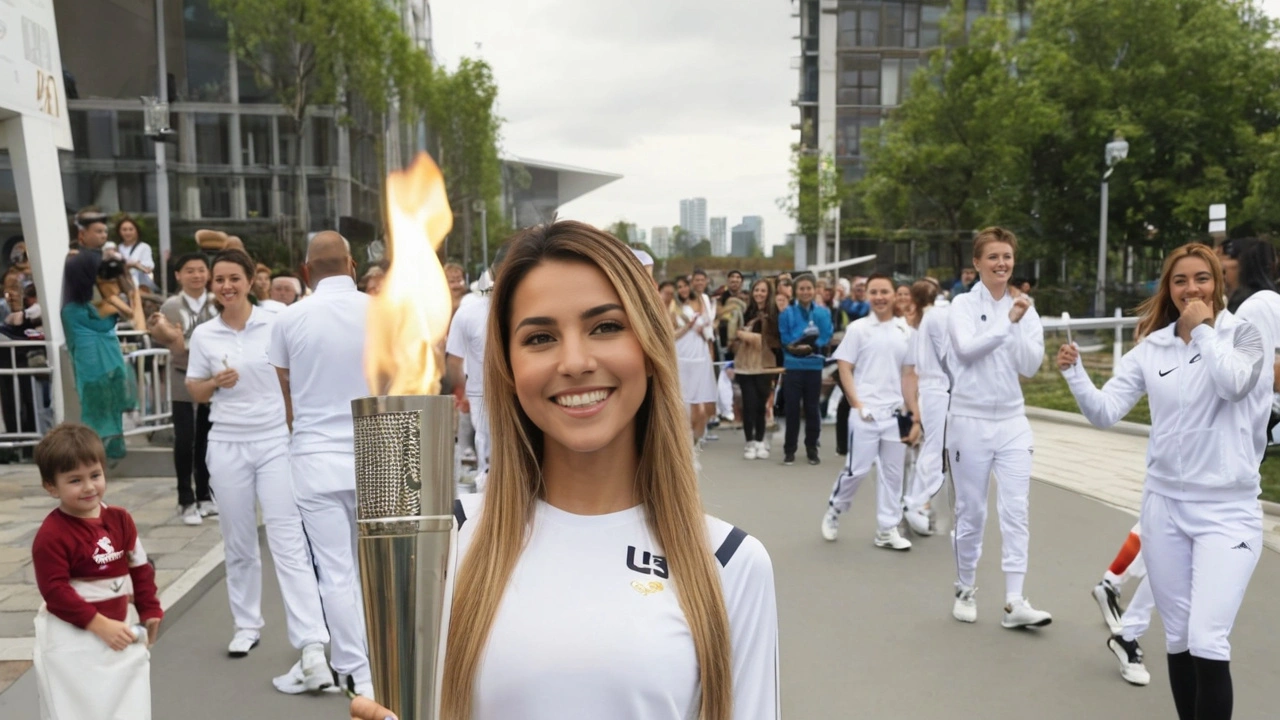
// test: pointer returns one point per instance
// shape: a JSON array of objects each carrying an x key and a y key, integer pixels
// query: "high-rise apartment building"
[
  {"x": 856, "y": 61},
  {"x": 693, "y": 218},
  {"x": 744, "y": 240},
  {"x": 719, "y": 236},
  {"x": 661, "y": 242}
]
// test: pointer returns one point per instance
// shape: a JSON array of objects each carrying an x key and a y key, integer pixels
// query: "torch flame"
[{"x": 409, "y": 317}]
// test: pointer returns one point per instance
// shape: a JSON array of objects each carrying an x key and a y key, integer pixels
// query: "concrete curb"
[
  {"x": 176, "y": 599},
  {"x": 1070, "y": 418}
]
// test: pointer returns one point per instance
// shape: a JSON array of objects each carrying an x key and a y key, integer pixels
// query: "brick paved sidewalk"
[
  {"x": 182, "y": 554},
  {"x": 1107, "y": 465}
]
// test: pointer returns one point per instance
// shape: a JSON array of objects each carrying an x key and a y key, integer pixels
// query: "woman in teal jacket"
[{"x": 805, "y": 328}]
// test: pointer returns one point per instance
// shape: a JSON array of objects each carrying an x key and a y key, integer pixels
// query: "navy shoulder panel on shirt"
[
  {"x": 459, "y": 513},
  {"x": 730, "y": 546}
]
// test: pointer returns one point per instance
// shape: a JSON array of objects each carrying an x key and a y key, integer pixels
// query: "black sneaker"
[
  {"x": 813, "y": 456},
  {"x": 789, "y": 459}
]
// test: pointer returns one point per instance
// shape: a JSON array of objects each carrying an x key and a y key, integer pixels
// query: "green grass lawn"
[{"x": 1048, "y": 390}]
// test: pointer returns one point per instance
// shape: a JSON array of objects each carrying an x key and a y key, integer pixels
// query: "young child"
[{"x": 92, "y": 572}]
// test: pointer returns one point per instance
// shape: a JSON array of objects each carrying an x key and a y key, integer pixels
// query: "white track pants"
[
  {"x": 239, "y": 474},
  {"x": 724, "y": 393},
  {"x": 324, "y": 485},
  {"x": 976, "y": 448},
  {"x": 1200, "y": 557},
  {"x": 869, "y": 441},
  {"x": 928, "y": 477},
  {"x": 80, "y": 678}
]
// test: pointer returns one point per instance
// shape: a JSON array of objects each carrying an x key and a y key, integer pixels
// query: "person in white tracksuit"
[
  {"x": 317, "y": 348},
  {"x": 929, "y": 356},
  {"x": 1207, "y": 376},
  {"x": 994, "y": 339},
  {"x": 874, "y": 362},
  {"x": 1127, "y": 624},
  {"x": 248, "y": 460}
]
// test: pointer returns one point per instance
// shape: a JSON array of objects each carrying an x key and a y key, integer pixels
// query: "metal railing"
[
  {"x": 26, "y": 399},
  {"x": 1118, "y": 323}
]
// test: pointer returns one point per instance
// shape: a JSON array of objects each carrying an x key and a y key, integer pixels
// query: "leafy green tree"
[
  {"x": 318, "y": 52},
  {"x": 1190, "y": 84},
  {"x": 814, "y": 190},
  {"x": 951, "y": 158},
  {"x": 460, "y": 111}
]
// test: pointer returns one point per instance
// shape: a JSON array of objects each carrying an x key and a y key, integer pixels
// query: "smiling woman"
[{"x": 590, "y": 549}]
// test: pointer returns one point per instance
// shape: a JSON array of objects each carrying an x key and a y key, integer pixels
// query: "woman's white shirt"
[
  {"x": 929, "y": 349},
  {"x": 140, "y": 253},
  {"x": 693, "y": 344},
  {"x": 988, "y": 353},
  {"x": 254, "y": 408},
  {"x": 590, "y": 625},
  {"x": 878, "y": 351},
  {"x": 1209, "y": 411}
]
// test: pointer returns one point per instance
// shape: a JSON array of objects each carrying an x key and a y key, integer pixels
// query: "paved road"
[{"x": 866, "y": 633}]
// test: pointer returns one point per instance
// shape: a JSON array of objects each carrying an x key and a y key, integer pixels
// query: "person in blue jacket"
[{"x": 805, "y": 328}]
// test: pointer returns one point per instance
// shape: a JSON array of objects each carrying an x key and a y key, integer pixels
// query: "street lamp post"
[
  {"x": 1117, "y": 150},
  {"x": 482, "y": 207}
]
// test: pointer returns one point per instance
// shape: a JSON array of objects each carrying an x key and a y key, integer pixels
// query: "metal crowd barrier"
[{"x": 26, "y": 393}]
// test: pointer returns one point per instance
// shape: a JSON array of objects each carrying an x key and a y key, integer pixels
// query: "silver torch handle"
[{"x": 404, "y": 521}]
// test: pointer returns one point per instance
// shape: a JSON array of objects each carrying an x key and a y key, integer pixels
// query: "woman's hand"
[
  {"x": 362, "y": 708},
  {"x": 226, "y": 378},
  {"x": 1020, "y": 307},
  {"x": 913, "y": 437},
  {"x": 1195, "y": 312},
  {"x": 153, "y": 631},
  {"x": 1068, "y": 356}
]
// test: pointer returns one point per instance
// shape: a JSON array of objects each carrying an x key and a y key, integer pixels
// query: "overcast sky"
[{"x": 684, "y": 98}]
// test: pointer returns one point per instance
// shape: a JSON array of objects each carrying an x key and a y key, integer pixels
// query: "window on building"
[
  {"x": 215, "y": 196},
  {"x": 255, "y": 140},
  {"x": 257, "y": 197},
  {"x": 859, "y": 82},
  {"x": 8, "y": 189},
  {"x": 931, "y": 25},
  {"x": 323, "y": 141},
  {"x": 93, "y": 134},
  {"x": 869, "y": 24},
  {"x": 909, "y": 67},
  {"x": 892, "y": 26},
  {"x": 208, "y": 59},
  {"x": 851, "y": 126},
  {"x": 890, "y": 73},
  {"x": 136, "y": 191},
  {"x": 911, "y": 25},
  {"x": 318, "y": 205},
  {"x": 213, "y": 139}
]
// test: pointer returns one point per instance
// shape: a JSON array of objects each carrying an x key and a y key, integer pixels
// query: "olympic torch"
[{"x": 404, "y": 454}]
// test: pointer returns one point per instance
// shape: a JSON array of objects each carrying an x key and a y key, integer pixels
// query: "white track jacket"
[
  {"x": 988, "y": 353},
  {"x": 1208, "y": 409}
]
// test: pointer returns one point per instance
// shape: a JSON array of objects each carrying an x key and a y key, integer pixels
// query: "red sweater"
[{"x": 86, "y": 566}]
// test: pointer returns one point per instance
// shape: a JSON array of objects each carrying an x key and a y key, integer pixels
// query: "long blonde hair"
[
  {"x": 666, "y": 483},
  {"x": 1158, "y": 310}
]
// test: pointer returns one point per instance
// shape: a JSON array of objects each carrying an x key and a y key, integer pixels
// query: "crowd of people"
[{"x": 587, "y": 451}]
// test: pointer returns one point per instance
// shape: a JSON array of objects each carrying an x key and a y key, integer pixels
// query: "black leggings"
[
  {"x": 1201, "y": 687},
  {"x": 755, "y": 397},
  {"x": 190, "y": 442}
]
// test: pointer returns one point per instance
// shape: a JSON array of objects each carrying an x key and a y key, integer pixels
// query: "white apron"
[{"x": 81, "y": 678}]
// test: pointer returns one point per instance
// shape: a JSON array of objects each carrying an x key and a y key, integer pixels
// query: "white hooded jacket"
[
  {"x": 1208, "y": 409},
  {"x": 988, "y": 353}
]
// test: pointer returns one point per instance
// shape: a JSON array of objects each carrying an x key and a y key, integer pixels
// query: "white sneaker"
[
  {"x": 242, "y": 643},
  {"x": 191, "y": 515},
  {"x": 831, "y": 524},
  {"x": 1108, "y": 598},
  {"x": 750, "y": 451},
  {"x": 965, "y": 608},
  {"x": 208, "y": 508},
  {"x": 919, "y": 522},
  {"x": 294, "y": 683},
  {"x": 1020, "y": 614},
  {"x": 762, "y": 450},
  {"x": 315, "y": 668},
  {"x": 891, "y": 539},
  {"x": 1130, "y": 657}
]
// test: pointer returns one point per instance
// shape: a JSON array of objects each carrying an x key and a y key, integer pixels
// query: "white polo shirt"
[
  {"x": 878, "y": 352},
  {"x": 254, "y": 409},
  {"x": 320, "y": 341},
  {"x": 467, "y": 335}
]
